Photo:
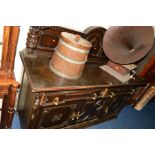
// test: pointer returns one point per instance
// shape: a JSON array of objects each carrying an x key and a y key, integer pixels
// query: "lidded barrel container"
[{"x": 70, "y": 56}]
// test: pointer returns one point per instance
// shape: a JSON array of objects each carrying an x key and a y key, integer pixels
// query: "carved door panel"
[
  {"x": 81, "y": 114},
  {"x": 117, "y": 104},
  {"x": 102, "y": 107},
  {"x": 89, "y": 110},
  {"x": 110, "y": 106},
  {"x": 54, "y": 117}
]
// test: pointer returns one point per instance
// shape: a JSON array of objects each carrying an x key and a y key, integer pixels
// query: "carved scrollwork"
[
  {"x": 57, "y": 29},
  {"x": 44, "y": 39},
  {"x": 33, "y": 38},
  {"x": 56, "y": 118},
  {"x": 95, "y": 36}
]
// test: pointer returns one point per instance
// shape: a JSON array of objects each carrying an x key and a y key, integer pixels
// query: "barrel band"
[
  {"x": 73, "y": 47},
  {"x": 70, "y": 60},
  {"x": 62, "y": 74}
]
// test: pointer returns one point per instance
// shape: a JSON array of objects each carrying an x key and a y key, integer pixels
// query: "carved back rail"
[{"x": 44, "y": 39}]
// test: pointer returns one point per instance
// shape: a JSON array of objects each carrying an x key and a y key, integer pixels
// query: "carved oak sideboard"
[{"x": 49, "y": 101}]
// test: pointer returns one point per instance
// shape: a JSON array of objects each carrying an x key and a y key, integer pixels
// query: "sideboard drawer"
[{"x": 55, "y": 99}]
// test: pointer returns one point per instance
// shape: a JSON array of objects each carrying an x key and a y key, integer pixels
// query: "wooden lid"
[{"x": 76, "y": 41}]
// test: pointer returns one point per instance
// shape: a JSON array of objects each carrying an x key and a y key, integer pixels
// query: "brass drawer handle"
[
  {"x": 75, "y": 115},
  {"x": 56, "y": 100},
  {"x": 106, "y": 110},
  {"x": 104, "y": 93},
  {"x": 132, "y": 91},
  {"x": 112, "y": 94},
  {"x": 94, "y": 96}
]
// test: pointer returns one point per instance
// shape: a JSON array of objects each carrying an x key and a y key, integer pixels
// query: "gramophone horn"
[{"x": 127, "y": 44}]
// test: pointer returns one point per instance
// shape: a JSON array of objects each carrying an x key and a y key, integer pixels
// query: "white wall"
[{"x": 21, "y": 45}]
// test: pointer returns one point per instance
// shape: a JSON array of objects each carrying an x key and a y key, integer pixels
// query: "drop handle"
[
  {"x": 94, "y": 96},
  {"x": 106, "y": 110},
  {"x": 112, "y": 94},
  {"x": 104, "y": 93},
  {"x": 56, "y": 100},
  {"x": 132, "y": 91},
  {"x": 132, "y": 74},
  {"x": 75, "y": 115}
]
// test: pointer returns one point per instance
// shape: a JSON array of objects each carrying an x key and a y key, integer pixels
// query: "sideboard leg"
[{"x": 149, "y": 94}]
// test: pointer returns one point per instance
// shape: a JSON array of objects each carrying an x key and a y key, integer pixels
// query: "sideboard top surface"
[{"x": 42, "y": 79}]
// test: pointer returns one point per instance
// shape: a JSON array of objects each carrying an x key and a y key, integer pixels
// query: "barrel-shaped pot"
[{"x": 70, "y": 56}]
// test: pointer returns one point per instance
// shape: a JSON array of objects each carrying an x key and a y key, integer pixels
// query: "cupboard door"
[
  {"x": 102, "y": 107},
  {"x": 117, "y": 104},
  {"x": 90, "y": 110},
  {"x": 67, "y": 112},
  {"x": 85, "y": 111},
  {"x": 54, "y": 117}
]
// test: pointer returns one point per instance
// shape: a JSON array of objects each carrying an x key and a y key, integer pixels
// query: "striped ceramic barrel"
[{"x": 70, "y": 56}]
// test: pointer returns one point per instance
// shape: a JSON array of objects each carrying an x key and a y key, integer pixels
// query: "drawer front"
[{"x": 54, "y": 99}]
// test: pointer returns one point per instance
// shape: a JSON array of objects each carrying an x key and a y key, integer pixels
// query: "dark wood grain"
[
  {"x": 54, "y": 102},
  {"x": 42, "y": 79}
]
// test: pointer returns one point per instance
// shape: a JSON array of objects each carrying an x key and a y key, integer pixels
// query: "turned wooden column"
[
  {"x": 10, "y": 105},
  {"x": 149, "y": 94}
]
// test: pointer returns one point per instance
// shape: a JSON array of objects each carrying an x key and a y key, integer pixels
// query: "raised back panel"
[
  {"x": 95, "y": 35},
  {"x": 44, "y": 39},
  {"x": 146, "y": 66}
]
